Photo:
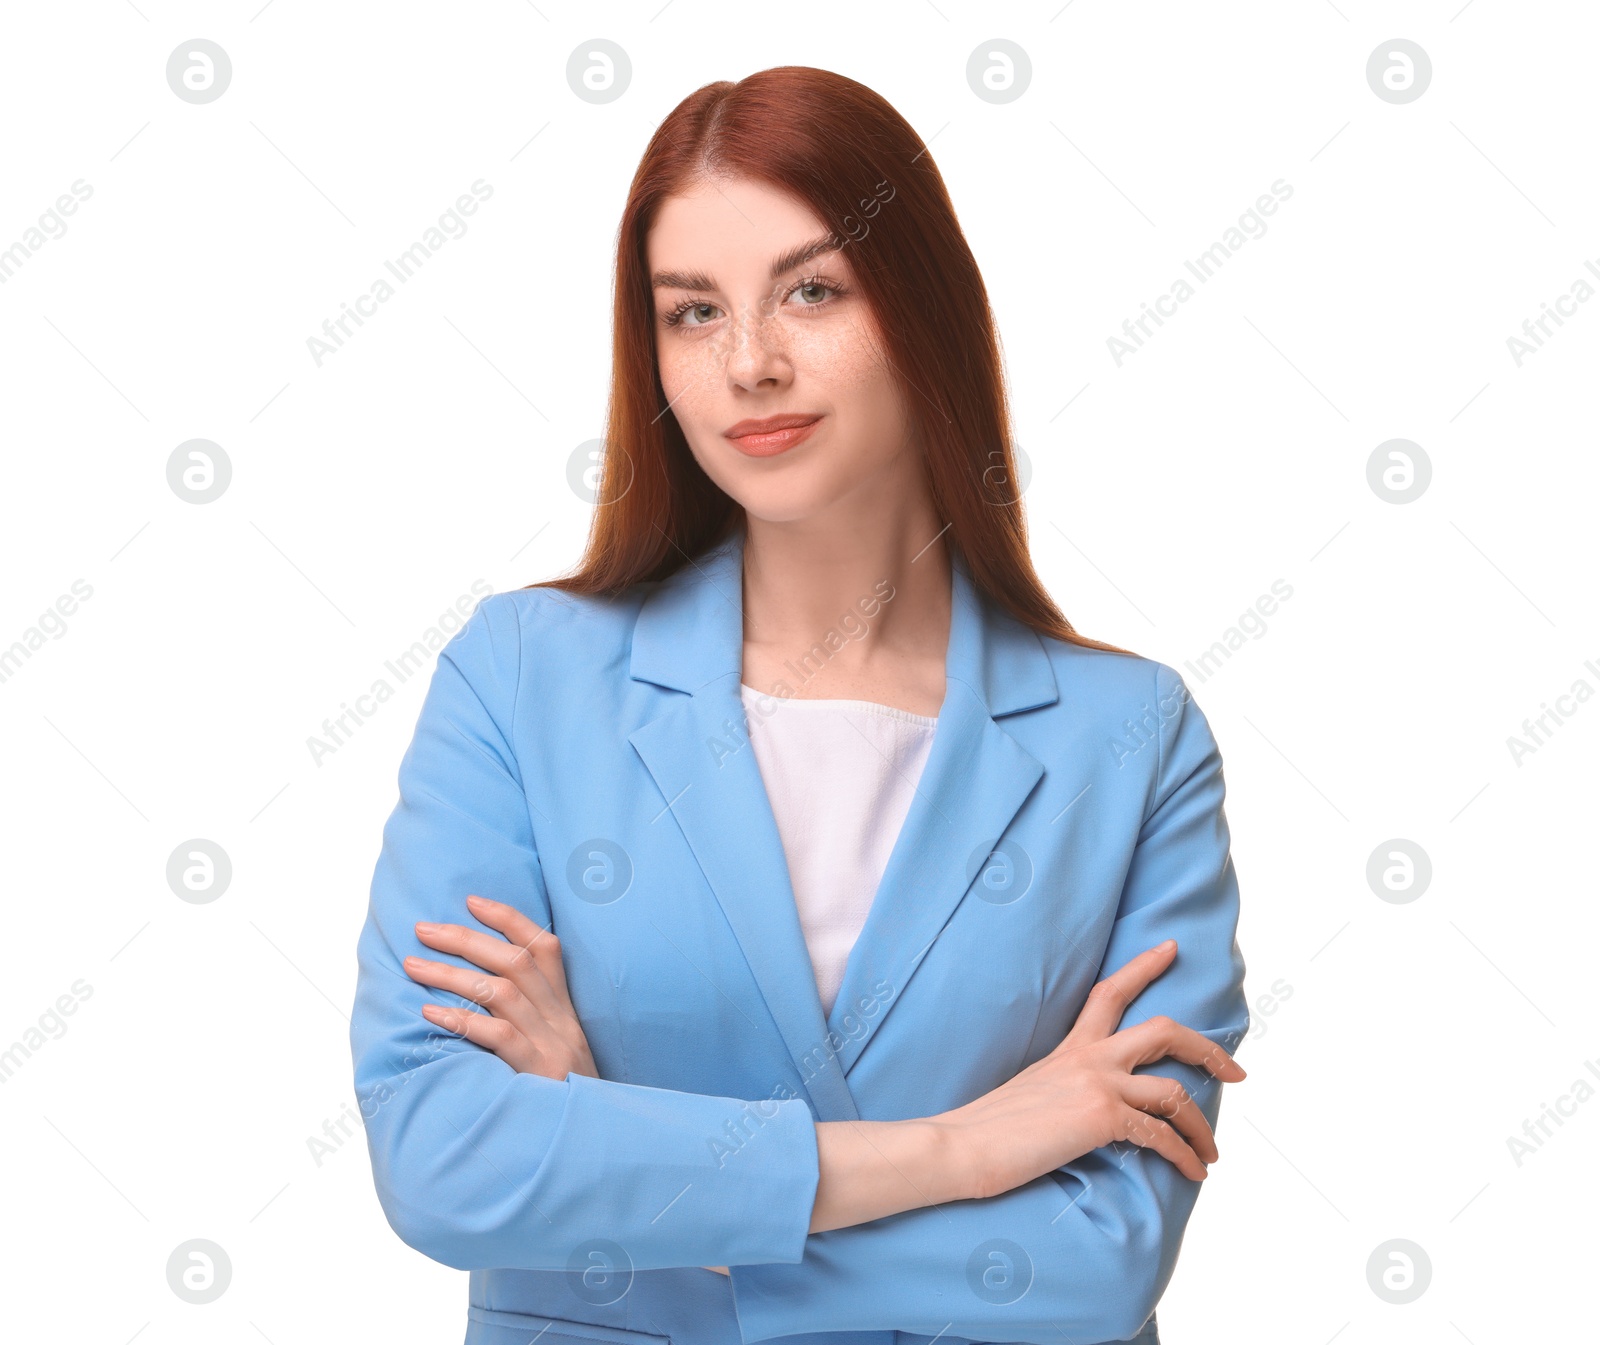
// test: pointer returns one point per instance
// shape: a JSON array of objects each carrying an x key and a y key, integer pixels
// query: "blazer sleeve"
[
  {"x": 477, "y": 1165},
  {"x": 1082, "y": 1253}
]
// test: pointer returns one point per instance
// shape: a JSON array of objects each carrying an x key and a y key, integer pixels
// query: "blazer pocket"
[{"x": 485, "y": 1327}]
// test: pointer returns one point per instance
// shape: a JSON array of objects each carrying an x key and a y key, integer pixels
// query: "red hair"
[{"x": 843, "y": 151}]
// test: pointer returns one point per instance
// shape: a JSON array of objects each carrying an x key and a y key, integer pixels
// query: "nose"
[{"x": 757, "y": 353}]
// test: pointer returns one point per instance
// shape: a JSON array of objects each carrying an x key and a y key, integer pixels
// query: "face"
[{"x": 752, "y": 326}]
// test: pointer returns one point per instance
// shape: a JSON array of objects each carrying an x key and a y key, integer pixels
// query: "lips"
[{"x": 771, "y": 434}]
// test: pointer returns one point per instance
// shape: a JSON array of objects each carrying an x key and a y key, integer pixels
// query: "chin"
[
  {"x": 789, "y": 499},
  {"x": 784, "y": 510}
]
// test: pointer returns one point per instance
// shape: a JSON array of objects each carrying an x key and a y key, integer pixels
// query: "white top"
[{"x": 840, "y": 776}]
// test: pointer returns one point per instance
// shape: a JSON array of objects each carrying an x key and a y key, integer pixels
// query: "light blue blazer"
[{"x": 587, "y": 761}]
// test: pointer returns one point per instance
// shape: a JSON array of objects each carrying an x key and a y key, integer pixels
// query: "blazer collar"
[
  {"x": 690, "y": 632},
  {"x": 689, "y": 636}
]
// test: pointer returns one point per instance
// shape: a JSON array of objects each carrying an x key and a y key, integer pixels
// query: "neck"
[{"x": 845, "y": 604}]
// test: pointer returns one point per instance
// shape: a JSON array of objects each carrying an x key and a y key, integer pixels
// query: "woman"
[{"x": 801, "y": 886}]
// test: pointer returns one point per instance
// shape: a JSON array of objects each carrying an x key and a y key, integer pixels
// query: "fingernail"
[
  {"x": 424, "y": 927},
  {"x": 413, "y": 962},
  {"x": 1166, "y": 944},
  {"x": 475, "y": 900}
]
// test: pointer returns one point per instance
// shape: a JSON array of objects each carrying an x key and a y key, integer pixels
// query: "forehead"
[{"x": 731, "y": 229}]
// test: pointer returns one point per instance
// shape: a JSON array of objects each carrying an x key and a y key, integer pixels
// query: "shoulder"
[
  {"x": 525, "y": 630},
  {"x": 1140, "y": 710},
  {"x": 1113, "y": 681}
]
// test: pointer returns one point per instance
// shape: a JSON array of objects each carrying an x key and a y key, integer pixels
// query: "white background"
[{"x": 1167, "y": 495}]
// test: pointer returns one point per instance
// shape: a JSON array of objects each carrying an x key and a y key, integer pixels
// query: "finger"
[
  {"x": 511, "y": 922},
  {"x": 538, "y": 942},
  {"x": 1149, "y": 1132},
  {"x": 493, "y": 1034},
  {"x": 500, "y": 957},
  {"x": 508, "y": 920},
  {"x": 485, "y": 950},
  {"x": 1161, "y": 1037},
  {"x": 1170, "y": 1100},
  {"x": 496, "y": 994},
  {"x": 1110, "y": 997}
]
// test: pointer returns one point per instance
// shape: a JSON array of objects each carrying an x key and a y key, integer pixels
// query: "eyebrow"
[{"x": 698, "y": 280}]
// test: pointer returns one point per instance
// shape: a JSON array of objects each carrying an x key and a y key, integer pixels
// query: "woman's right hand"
[
  {"x": 530, "y": 1023},
  {"x": 1083, "y": 1095}
]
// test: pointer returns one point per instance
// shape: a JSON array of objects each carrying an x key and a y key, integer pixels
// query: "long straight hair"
[{"x": 842, "y": 150}]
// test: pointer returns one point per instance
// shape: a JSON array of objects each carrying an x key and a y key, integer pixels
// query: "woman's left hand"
[{"x": 530, "y": 1022}]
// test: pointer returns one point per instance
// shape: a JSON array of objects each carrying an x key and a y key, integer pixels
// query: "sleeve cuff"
[{"x": 739, "y": 1177}]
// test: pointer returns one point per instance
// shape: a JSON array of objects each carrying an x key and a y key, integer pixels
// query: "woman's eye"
[
  {"x": 696, "y": 315},
  {"x": 814, "y": 293},
  {"x": 810, "y": 293}
]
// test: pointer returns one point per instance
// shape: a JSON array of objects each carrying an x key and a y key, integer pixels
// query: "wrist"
[{"x": 955, "y": 1157}]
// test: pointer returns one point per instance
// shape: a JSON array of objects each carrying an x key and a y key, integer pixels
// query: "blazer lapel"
[
  {"x": 976, "y": 778},
  {"x": 689, "y": 636}
]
